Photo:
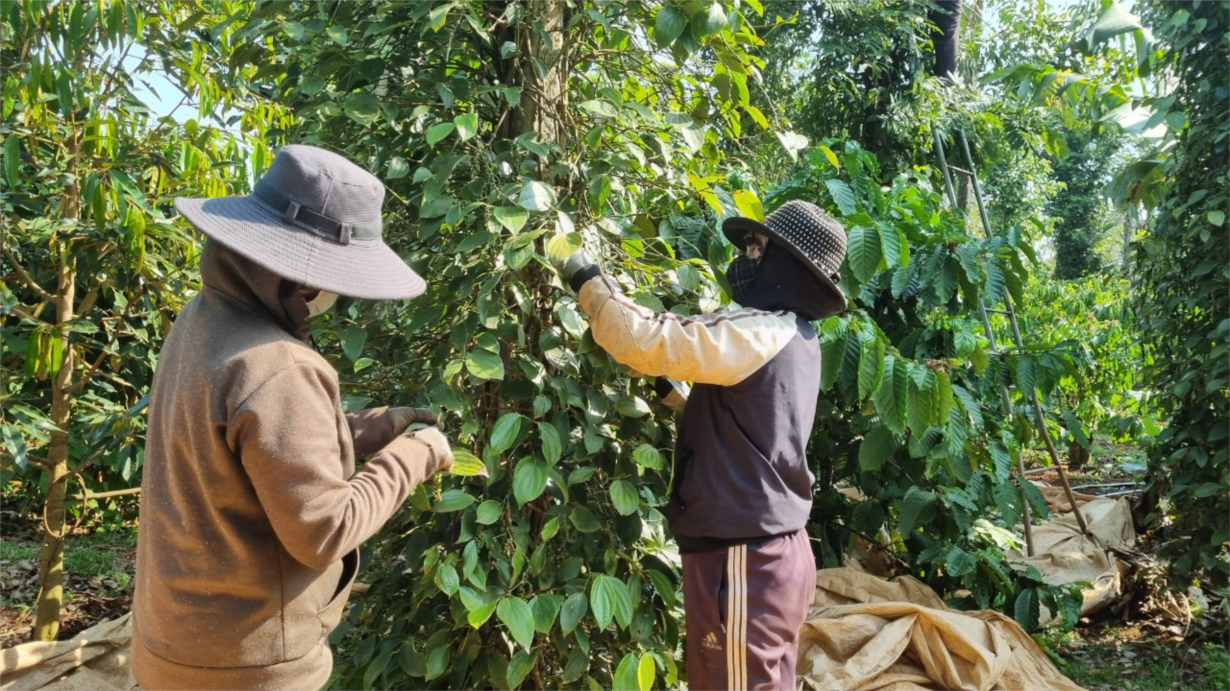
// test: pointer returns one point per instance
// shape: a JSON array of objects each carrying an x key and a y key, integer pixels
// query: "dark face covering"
[
  {"x": 742, "y": 275},
  {"x": 252, "y": 284},
  {"x": 784, "y": 284}
]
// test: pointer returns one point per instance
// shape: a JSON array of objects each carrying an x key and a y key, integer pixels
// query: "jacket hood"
[
  {"x": 785, "y": 284},
  {"x": 233, "y": 274}
]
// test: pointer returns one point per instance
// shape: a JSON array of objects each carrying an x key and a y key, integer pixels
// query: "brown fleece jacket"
[{"x": 251, "y": 509}]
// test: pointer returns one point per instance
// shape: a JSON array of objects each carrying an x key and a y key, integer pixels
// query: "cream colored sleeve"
[{"x": 722, "y": 349}]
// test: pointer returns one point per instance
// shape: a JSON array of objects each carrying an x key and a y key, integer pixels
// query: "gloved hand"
[
  {"x": 401, "y": 418},
  {"x": 669, "y": 393},
  {"x": 575, "y": 262},
  {"x": 577, "y": 269},
  {"x": 441, "y": 453}
]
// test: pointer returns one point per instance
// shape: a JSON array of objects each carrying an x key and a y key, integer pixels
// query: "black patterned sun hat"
[{"x": 808, "y": 233}]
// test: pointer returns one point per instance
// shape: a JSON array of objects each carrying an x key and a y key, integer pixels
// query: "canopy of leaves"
[
  {"x": 89, "y": 174},
  {"x": 1184, "y": 294}
]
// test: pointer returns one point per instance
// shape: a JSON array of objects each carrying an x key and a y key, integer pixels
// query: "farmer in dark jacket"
[
  {"x": 743, "y": 485},
  {"x": 252, "y": 510}
]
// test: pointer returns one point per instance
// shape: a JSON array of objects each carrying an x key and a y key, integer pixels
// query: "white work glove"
[{"x": 441, "y": 454}]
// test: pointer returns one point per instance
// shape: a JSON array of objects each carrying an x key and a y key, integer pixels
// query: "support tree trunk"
[{"x": 544, "y": 97}]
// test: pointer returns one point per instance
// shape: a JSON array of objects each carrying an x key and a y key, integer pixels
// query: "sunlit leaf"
[
  {"x": 561, "y": 247},
  {"x": 362, "y": 107},
  {"x": 467, "y": 125},
  {"x": 602, "y": 108},
  {"x": 669, "y": 23},
  {"x": 709, "y": 21},
  {"x": 536, "y": 196},
  {"x": 793, "y": 143},
  {"x": 466, "y": 464},
  {"x": 749, "y": 205},
  {"x": 484, "y": 364},
  {"x": 624, "y": 497},
  {"x": 437, "y": 132}
]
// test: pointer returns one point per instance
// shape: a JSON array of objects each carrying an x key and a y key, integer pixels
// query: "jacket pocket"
[{"x": 331, "y": 613}]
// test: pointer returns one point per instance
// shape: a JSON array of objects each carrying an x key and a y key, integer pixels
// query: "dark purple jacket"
[{"x": 741, "y": 469}]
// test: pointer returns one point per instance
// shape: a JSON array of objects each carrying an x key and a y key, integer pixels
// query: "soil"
[
  {"x": 88, "y": 599},
  {"x": 1104, "y": 471},
  {"x": 1112, "y": 656}
]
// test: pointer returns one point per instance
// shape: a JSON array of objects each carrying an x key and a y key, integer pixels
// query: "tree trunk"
[
  {"x": 1078, "y": 455},
  {"x": 51, "y": 565},
  {"x": 544, "y": 97},
  {"x": 51, "y": 568}
]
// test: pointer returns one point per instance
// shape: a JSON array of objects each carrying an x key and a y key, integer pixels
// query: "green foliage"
[
  {"x": 1092, "y": 320},
  {"x": 850, "y": 70},
  {"x": 1184, "y": 296},
  {"x": 574, "y": 513},
  {"x": 89, "y": 180},
  {"x": 509, "y": 134},
  {"x": 1081, "y": 209},
  {"x": 94, "y": 267}
]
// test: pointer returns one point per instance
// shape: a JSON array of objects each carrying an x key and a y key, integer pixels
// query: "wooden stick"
[{"x": 104, "y": 495}]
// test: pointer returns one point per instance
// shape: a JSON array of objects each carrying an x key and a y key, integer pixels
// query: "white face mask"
[{"x": 321, "y": 303}]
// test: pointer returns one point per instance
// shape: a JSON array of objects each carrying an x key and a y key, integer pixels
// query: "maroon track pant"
[{"x": 744, "y": 606}]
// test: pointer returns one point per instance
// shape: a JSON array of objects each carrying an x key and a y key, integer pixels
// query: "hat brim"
[
  {"x": 739, "y": 226},
  {"x": 366, "y": 269}
]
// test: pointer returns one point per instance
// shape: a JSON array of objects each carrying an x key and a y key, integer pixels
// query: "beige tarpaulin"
[
  {"x": 867, "y": 634},
  {"x": 95, "y": 660},
  {"x": 864, "y": 633},
  {"x": 1063, "y": 555}
]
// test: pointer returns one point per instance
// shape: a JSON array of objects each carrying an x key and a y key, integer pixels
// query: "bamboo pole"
[
  {"x": 1016, "y": 337},
  {"x": 1005, "y": 397}
]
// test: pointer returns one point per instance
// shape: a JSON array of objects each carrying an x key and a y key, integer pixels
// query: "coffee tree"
[
  {"x": 1179, "y": 278},
  {"x": 911, "y": 416},
  {"x": 93, "y": 268}
]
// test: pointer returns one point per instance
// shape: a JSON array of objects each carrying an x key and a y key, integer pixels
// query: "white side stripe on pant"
[{"x": 736, "y": 617}]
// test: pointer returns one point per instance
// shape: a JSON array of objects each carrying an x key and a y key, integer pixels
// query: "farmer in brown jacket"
[{"x": 252, "y": 511}]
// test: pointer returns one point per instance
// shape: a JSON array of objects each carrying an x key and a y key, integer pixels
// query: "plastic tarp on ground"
[
  {"x": 95, "y": 660},
  {"x": 1063, "y": 555},
  {"x": 864, "y": 633}
]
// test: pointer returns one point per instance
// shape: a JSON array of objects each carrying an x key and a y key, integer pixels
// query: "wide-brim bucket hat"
[
  {"x": 313, "y": 218},
  {"x": 804, "y": 230}
]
